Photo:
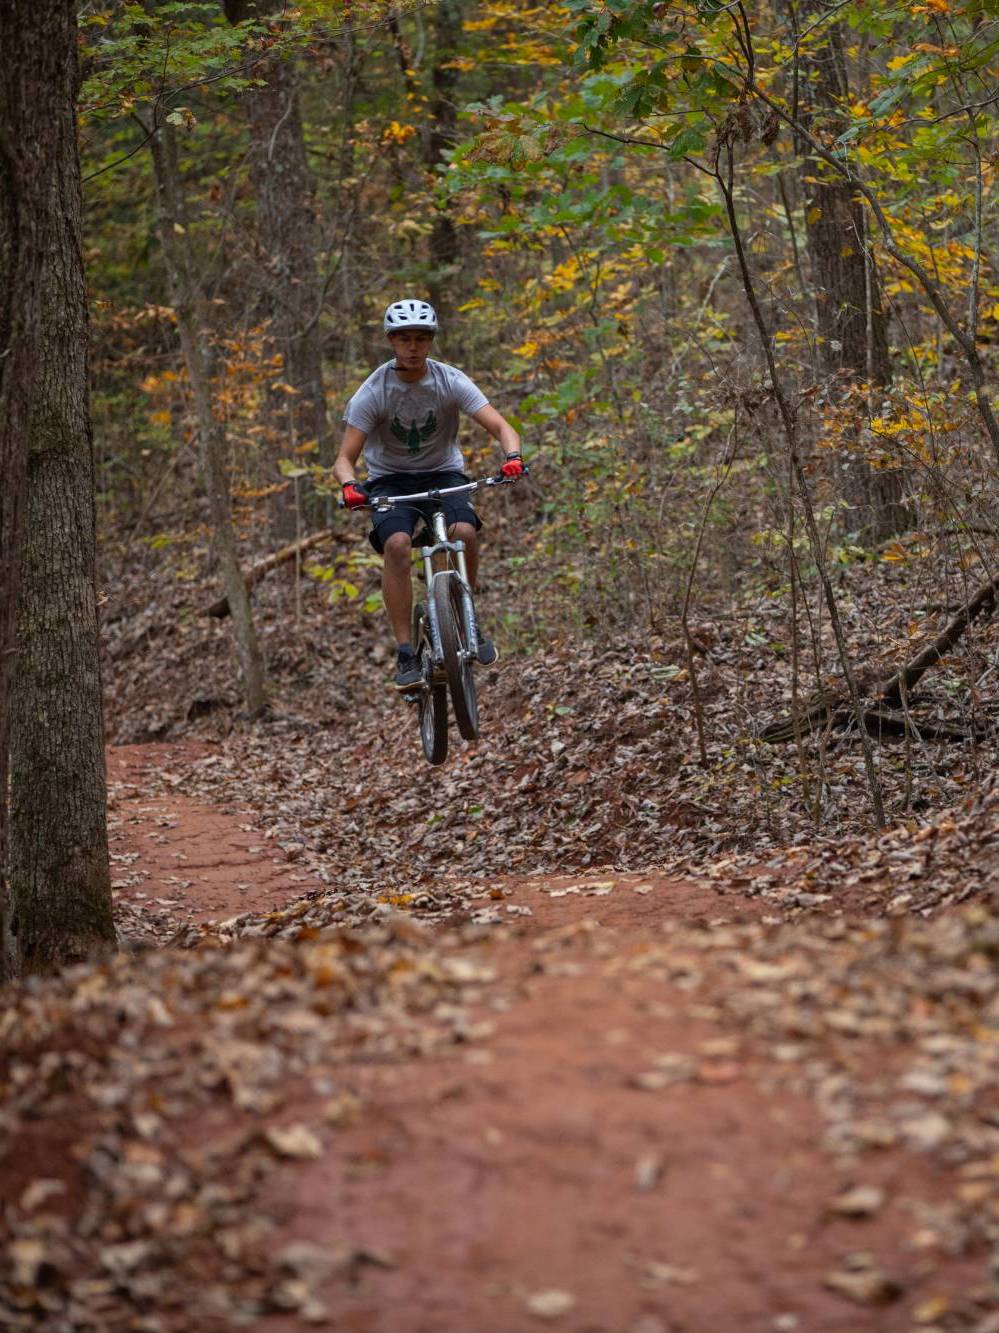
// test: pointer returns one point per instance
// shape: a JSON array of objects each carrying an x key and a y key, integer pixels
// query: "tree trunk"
[
  {"x": 850, "y": 315},
  {"x": 198, "y": 361},
  {"x": 38, "y": 42},
  {"x": 288, "y": 241},
  {"x": 443, "y": 123},
  {"x": 60, "y": 880}
]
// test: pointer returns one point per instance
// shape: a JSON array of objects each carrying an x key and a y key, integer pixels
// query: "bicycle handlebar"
[{"x": 390, "y": 501}]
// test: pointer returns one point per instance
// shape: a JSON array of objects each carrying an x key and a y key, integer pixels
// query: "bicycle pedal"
[{"x": 412, "y": 696}]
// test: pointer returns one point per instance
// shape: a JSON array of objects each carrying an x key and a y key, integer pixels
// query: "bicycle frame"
[{"x": 443, "y": 545}]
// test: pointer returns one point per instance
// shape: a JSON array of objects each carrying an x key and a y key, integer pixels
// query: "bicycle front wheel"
[
  {"x": 432, "y": 703},
  {"x": 433, "y": 723},
  {"x": 457, "y": 656}
]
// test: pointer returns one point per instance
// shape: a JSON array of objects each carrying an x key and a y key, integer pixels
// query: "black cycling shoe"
[
  {"x": 486, "y": 653},
  {"x": 407, "y": 671}
]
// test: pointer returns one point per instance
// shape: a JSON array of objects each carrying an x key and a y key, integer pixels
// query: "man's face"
[{"x": 411, "y": 347}]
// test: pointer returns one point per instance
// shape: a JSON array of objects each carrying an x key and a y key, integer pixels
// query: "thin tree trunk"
[
  {"x": 966, "y": 339},
  {"x": 287, "y": 233},
  {"x": 850, "y": 315},
  {"x": 724, "y": 182},
  {"x": 198, "y": 361},
  {"x": 60, "y": 877},
  {"x": 443, "y": 119}
]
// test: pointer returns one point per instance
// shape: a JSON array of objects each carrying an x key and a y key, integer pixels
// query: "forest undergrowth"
[
  {"x": 170, "y": 1105},
  {"x": 589, "y": 752}
]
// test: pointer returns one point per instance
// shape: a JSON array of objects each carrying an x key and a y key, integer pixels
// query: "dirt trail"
[
  {"x": 607, "y": 1151},
  {"x": 482, "y": 1184},
  {"x": 177, "y": 860}
]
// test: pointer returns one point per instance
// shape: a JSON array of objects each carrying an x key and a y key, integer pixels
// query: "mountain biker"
[{"x": 405, "y": 419}]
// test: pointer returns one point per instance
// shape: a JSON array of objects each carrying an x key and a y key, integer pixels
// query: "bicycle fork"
[{"x": 443, "y": 544}]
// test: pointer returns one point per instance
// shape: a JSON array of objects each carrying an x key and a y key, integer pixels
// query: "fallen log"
[
  {"x": 892, "y": 689},
  {"x": 827, "y": 709},
  {"x": 220, "y": 609},
  {"x": 881, "y": 722}
]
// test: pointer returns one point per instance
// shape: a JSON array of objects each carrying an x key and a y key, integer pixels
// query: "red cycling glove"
[
  {"x": 513, "y": 467},
  {"x": 353, "y": 495}
]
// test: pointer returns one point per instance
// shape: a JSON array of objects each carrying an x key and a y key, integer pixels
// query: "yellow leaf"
[
  {"x": 396, "y": 133},
  {"x": 930, "y": 1310},
  {"x": 813, "y": 215}
]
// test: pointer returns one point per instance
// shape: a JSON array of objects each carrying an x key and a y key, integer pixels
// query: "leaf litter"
[
  {"x": 173, "y": 1085},
  {"x": 158, "y": 1073}
]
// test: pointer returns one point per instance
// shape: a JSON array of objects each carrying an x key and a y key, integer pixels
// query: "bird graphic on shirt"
[{"x": 414, "y": 436}]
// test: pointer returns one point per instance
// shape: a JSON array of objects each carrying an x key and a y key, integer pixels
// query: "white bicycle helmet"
[{"x": 410, "y": 315}]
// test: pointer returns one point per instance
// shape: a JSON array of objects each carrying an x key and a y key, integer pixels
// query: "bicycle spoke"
[{"x": 457, "y": 659}]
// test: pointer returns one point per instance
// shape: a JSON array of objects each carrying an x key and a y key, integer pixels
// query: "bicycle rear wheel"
[
  {"x": 432, "y": 703},
  {"x": 457, "y": 657}
]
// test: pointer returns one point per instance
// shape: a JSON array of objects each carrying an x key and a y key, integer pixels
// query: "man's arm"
[
  {"x": 499, "y": 428},
  {"x": 344, "y": 469}
]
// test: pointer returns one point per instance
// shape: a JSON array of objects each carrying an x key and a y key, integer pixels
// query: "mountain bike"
[{"x": 445, "y": 631}]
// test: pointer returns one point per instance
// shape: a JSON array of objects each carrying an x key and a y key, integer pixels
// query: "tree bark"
[
  {"x": 850, "y": 315},
  {"x": 60, "y": 880},
  {"x": 198, "y": 360},
  {"x": 36, "y": 41},
  {"x": 288, "y": 239}
]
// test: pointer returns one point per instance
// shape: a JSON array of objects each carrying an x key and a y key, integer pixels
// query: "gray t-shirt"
[{"x": 413, "y": 427}]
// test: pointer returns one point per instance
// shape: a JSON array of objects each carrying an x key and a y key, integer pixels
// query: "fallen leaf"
[
  {"x": 293, "y": 1141},
  {"x": 648, "y": 1171},
  {"x": 868, "y": 1286},
  {"x": 550, "y": 1304},
  {"x": 926, "y": 1131},
  {"x": 670, "y": 1274},
  {"x": 859, "y": 1201},
  {"x": 40, "y": 1191},
  {"x": 930, "y": 1310}
]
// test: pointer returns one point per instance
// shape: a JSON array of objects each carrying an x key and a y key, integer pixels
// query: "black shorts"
[{"x": 404, "y": 518}]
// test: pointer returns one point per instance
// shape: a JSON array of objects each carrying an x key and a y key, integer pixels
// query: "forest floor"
[{"x": 559, "y": 1034}]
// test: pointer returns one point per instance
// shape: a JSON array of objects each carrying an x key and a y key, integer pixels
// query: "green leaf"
[
  {"x": 289, "y": 468},
  {"x": 686, "y": 142},
  {"x": 887, "y": 100}
]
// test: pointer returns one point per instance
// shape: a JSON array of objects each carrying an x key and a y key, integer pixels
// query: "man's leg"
[
  {"x": 465, "y": 532},
  {"x": 397, "y": 584}
]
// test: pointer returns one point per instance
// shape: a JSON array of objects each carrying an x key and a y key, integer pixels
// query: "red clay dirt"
[
  {"x": 528, "y": 1178},
  {"x": 626, "y": 900},
  {"x": 171, "y": 852},
  {"x": 532, "y": 1163}
]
